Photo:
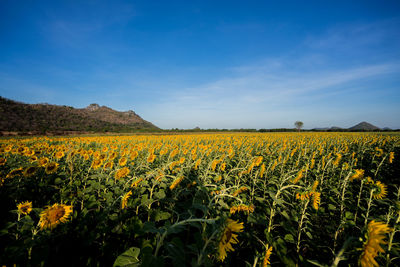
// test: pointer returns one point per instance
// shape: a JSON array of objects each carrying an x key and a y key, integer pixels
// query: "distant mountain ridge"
[
  {"x": 362, "y": 126},
  {"x": 17, "y": 116}
]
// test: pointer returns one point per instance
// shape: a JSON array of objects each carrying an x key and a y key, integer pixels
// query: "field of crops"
[{"x": 235, "y": 199}]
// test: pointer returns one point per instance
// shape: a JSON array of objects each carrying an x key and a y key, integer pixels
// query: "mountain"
[
  {"x": 21, "y": 117},
  {"x": 364, "y": 126}
]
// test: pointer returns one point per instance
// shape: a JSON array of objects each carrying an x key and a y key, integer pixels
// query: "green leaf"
[
  {"x": 331, "y": 207},
  {"x": 160, "y": 194},
  {"x": 128, "y": 258},
  {"x": 289, "y": 238},
  {"x": 161, "y": 215},
  {"x": 284, "y": 214}
]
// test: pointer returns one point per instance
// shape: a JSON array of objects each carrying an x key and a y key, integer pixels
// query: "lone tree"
[{"x": 299, "y": 125}]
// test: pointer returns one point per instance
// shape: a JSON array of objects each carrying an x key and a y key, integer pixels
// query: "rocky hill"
[
  {"x": 21, "y": 117},
  {"x": 364, "y": 126}
]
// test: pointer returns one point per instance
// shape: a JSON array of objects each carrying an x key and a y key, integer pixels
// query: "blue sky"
[{"x": 212, "y": 64}]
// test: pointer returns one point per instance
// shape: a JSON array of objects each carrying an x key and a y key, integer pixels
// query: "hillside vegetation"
[{"x": 42, "y": 118}]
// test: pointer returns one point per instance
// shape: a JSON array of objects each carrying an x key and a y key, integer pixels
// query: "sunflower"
[
  {"x": 28, "y": 172},
  {"x": 59, "y": 154},
  {"x": 258, "y": 161},
  {"x": 391, "y": 157},
  {"x": 124, "y": 201},
  {"x": 33, "y": 159},
  {"x": 96, "y": 164},
  {"x": 121, "y": 173},
  {"x": 380, "y": 191},
  {"x": 267, "y": 256},
  {"x": 359, "y": 173},
  {"x": 136, "y": 182},
  {"x": 43, "y": 161},
  {"x": 298, "y": 177},
  {"x": 316, "y": 200},
  {"x": 175, "y": 183},
  {"x": 3, "y": 161},
  {"x": 123, "y": 161},
  {"x": 240, "y": 190},
  {"x": 15, "y": 172},
  {"x": 228, "y": 238},
  {"x": 372, "y": 246},
  {"x": 108, "y": 165},
  {"x": 151, "y": 158},
  {"x": 133, "y": 155},
  {"x": 51, "y": 167},
  {"x": 25, "y": 207},
  {"x": 314, "y": 186},
  {"x": 242, "y": 208},
  {"x": 262, "y": 170},
  {"x": 54, "y": 215},
  {"x": 223, "y": 167}
]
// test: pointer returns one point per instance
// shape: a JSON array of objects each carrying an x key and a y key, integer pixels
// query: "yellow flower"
[
  {"x": 196, "y": 165},
  {"x": 359, "y": 173},
  {"x": 240, "y": 190},
  {"x": 3, "y": 161},
  {"x": 337, "y": 160},
  {"x": 59, "y": 155},
  {"x": 96, "y": 163},
  {"x": 267, "y": 256},
  {"x": 33, "y": 159},
  {"x": 314, "y": 187},
  {"x": 51, "y": 167},
  {"x": 123, "y": 161},
  {"x": 112, "y": 156},
  {"x": 312, "y": 163},
  {"x": 133, "y": 155},
  {"x": 262, "y": 170},
  {"x": 108, "y": 165},
  {"x": 121, "y": 173},
  {"x": 379, "y": 152},
  {"x": 173, "y": 153},
  {"x": 380, "y": 191},
  {"x": 258, "y": 161},
  {"x": 54, "y": 215},
  {"x": 391, "y": 157},
  {"x": 372, "y": 246},
  {"x": 274, "y": 165},
  {"x": 244, "y": 208},
  {"x": 298, "y": 177},
  {"x": 43, "y": 162},
  {"x": 175, "y": 183},
  {"x": 135, "y": 183},
  {"x": 229, "y": 238},
  {"x": 151, "y": 158},
  {"x": 15, "y": 172},
  {"x": 223, "y": 166},
  {"x": 214, "y": 164},
  {"x": 316, "y": 200},
  {"x": 125, "y": 198},
  {"x": 28, "y": 172},
  {"x": 25, "y": 207}
]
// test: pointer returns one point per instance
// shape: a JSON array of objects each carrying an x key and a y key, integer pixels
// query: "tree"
[{"x": 299, "y": 125}]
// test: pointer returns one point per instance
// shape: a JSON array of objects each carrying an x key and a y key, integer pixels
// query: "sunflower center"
[{"x": 56, "y": 214}]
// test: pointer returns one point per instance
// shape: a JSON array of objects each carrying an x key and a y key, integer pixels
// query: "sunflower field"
[{"x": 238, "y": 199}]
